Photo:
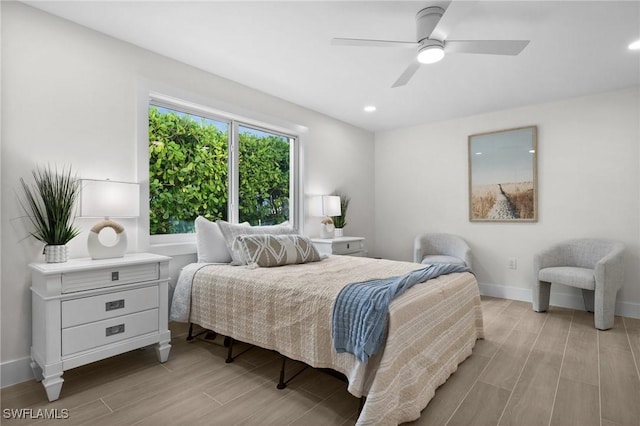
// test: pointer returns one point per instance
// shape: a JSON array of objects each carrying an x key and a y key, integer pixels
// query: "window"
[
  {"x": 264, "y": 176},
  {"x": 218, "y": 167}
]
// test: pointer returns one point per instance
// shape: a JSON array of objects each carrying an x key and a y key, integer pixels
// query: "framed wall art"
[{"x": 503, "y": 176}]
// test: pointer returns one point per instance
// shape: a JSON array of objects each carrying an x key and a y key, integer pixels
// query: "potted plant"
[
  {"x": 341, "y": 221},
  {"x": 49, "y": 205}
]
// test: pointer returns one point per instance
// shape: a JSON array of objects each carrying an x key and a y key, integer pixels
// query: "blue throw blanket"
[{"x": 360, "y": 311}]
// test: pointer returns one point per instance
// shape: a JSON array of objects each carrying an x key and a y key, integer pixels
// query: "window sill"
[{"x": 174, "y": 249}]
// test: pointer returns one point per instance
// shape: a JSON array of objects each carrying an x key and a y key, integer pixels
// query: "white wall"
[
  {"x": 588, "y": 168},
  {"x": 69, "y": 98}
]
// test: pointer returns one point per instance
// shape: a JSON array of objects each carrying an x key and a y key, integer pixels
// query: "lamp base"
[
  {"x": 326, "y": 230},
  {"x": 97, "y": 250}
]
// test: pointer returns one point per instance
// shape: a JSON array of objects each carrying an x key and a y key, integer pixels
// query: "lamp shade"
[
  {"x": 106, "y": 198},
  {"x": 326, "y": 205}
]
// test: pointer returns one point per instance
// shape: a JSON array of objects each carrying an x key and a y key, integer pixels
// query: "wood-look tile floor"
[{"x": 531, "y": 369}]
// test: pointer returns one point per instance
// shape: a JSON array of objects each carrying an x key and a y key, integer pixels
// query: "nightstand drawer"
[
  {"x": 104, "y": 306},
  {"x": 347, "y": 247},
  {"x": 100, "y": 333},
  {"x": 107, "y": 277}
]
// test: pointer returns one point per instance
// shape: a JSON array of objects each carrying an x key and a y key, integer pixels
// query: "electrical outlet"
[{"x": 513, "y": 263}]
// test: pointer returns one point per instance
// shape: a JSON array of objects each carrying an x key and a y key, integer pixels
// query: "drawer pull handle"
[
  {"x": 348, "y": 245},
  {"x": 115, "y": 276},
  {"x": 116, "y": 329},
  {"x": 115, "y": 304}
]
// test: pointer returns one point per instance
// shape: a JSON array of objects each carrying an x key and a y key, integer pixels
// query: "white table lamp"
[
  {"x": 107, "y": 199},
  {"x": 326, "y": 206}
]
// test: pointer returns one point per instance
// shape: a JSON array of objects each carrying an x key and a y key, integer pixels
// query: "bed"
[{"x": 432, "y": 327}]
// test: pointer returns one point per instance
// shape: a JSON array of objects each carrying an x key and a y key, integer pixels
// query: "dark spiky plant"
[
  {"x": 341, "y": 221},
  {"x": 49, "y": 204}
]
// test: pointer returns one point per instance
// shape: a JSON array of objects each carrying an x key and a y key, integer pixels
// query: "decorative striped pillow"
[{"x": 268, "y": 250}]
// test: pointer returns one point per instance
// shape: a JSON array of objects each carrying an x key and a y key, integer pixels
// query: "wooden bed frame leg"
[
  {"x": 229, "y": 351},
  {"x": 282, "y": 384},
  {"x": 190, "y": 336}
]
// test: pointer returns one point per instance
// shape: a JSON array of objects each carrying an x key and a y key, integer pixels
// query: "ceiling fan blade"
[
  {"x": 407, "y": 74},
  {"x": 453, "y": 15},
  {"x": 338, "y": 41},
  {"x": 490, "y": 47}
]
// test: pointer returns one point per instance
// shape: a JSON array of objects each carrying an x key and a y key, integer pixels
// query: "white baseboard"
[
  {"x": 16, "y": 371},
  {"x": 625, "y": 309},
  {"x": 503, "y": 292},
  {"x": 629, "y": 310}
]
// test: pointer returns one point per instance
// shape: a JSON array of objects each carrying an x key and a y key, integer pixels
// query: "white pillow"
[
  {"x": 231, "y": 230},
  {"x": 210, "y": 243}
]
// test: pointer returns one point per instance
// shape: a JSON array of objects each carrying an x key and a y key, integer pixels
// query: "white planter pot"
[
  {"x": 55, "y": 253},
  {"x": 339, "y": 232}
]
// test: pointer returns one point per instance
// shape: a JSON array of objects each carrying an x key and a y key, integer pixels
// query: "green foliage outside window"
[
  {"x": 264, "y": 179},
  {"x": 188, "y": 174}
]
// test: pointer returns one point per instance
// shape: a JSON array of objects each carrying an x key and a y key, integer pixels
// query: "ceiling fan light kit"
[
  {"x": 433, "y": 25},
  {"x": 431, "y": 51}
]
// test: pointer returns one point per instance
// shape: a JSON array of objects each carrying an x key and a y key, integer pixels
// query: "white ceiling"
[{"x": 283, "y": 48}]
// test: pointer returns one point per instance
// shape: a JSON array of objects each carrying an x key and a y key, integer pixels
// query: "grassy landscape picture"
[
  {"x": 519, "y": 196},
  {"x": 502, "y": 175}
]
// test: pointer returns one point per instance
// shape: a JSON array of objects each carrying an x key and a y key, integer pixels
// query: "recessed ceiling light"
[
  {"x": 370, "y": 108},
  {"x": 635, "y": 45},
  {"x": 478, "y": 153}
]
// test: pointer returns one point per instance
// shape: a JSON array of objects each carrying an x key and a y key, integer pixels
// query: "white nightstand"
[
  {"x": 85, "y": 310},
  {"x": 351, "y": 246}
]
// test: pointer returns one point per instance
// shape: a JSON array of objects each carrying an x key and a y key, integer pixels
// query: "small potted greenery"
[
  {"x": 341, "y": 221},
  {"x": 49, "y": 205}
]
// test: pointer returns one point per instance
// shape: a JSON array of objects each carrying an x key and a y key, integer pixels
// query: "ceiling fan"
[{"x": 433, "y": 25}]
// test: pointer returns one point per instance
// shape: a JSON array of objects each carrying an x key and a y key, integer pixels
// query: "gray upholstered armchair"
[
  {"x": 441, "y": 248},
  {"x": 594, "y": 265}
]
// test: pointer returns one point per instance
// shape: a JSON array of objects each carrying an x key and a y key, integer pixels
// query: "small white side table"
[
  {"x": 350, "y": 246},
  {"x": 86, "y": 310}
]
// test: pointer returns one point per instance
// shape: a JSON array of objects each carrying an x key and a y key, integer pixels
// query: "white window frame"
[{"x": 180, "y": 244}]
